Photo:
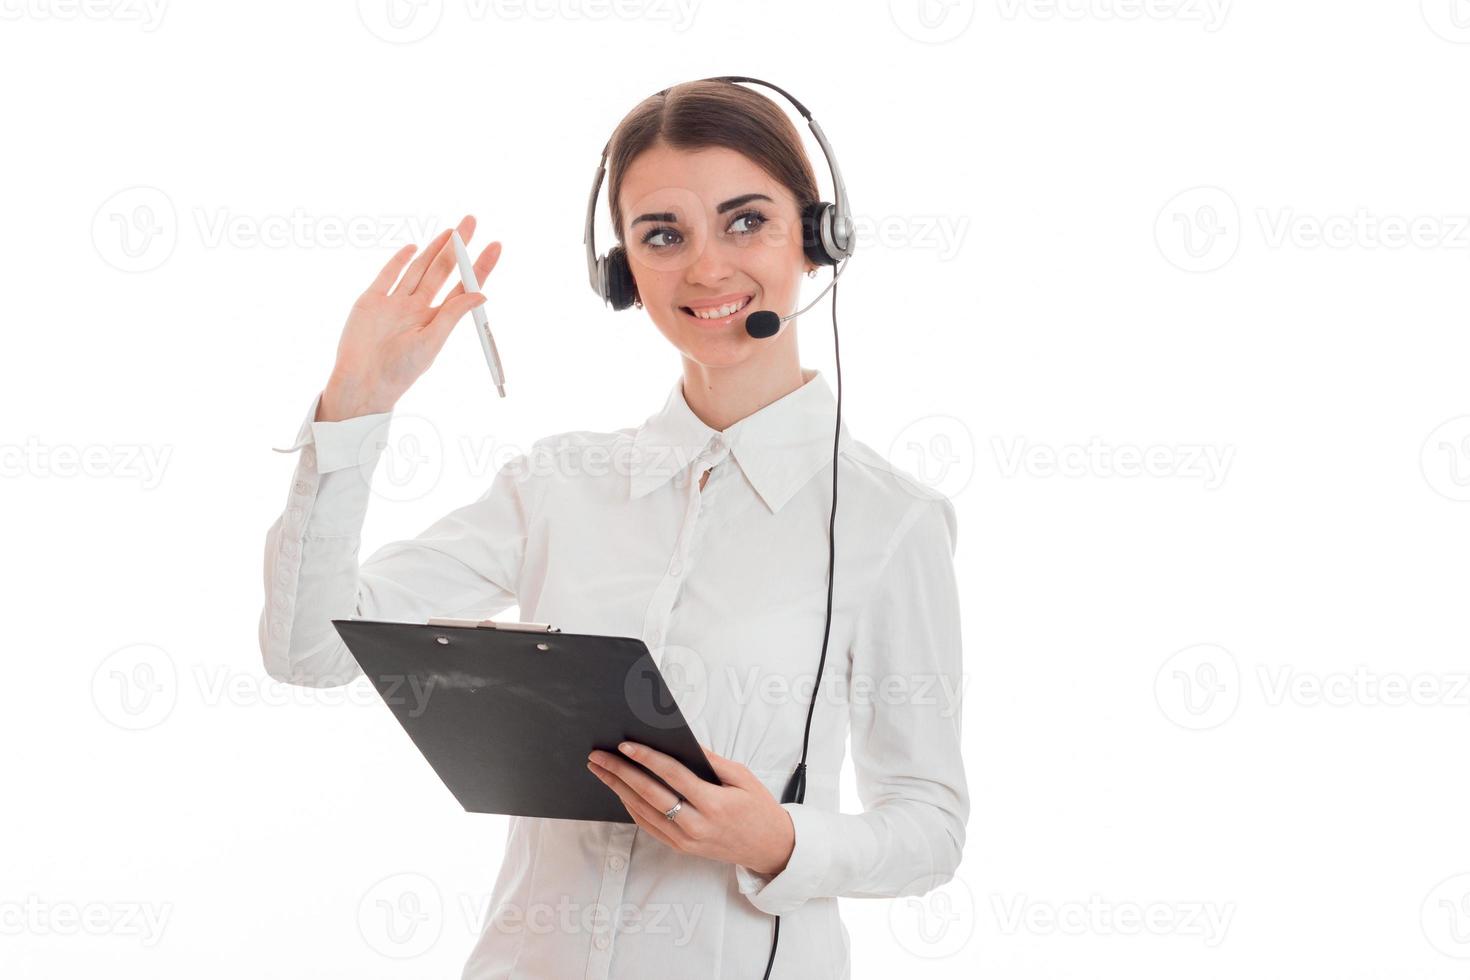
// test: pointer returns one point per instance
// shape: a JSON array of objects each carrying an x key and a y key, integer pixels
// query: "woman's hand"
[
  {"x": 393, "y": 334},
  {"x": 739, "y": 822}
]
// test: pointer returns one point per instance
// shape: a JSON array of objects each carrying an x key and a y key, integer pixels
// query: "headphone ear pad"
[
  {"x": 621, "y": 289},
  {"x": 811, "y": 233}
]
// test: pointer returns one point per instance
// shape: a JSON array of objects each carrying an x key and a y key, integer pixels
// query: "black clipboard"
[{"x": 506, "y": 713}]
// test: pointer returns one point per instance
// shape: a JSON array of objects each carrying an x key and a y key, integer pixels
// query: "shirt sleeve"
[
  {"x": 904, "y": 709},
  {"x": 468, "y": 561}
]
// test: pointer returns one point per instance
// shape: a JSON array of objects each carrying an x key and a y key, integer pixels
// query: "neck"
[{"x": 722, "y": 396}]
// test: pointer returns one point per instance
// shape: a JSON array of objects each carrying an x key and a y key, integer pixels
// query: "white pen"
[{"x": 482, "y": 325}]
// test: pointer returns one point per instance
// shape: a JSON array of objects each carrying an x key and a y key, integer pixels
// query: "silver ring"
[{"x": 673, "y": 811}]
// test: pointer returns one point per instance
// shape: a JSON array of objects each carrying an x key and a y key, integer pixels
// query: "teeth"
[{"x": 722, "y": 311}]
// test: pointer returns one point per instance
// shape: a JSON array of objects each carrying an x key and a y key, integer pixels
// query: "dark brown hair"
[{"x": 700, "y": 114}]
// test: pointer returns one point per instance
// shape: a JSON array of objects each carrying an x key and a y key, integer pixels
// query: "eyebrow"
[{"x": 734, "y": 202}]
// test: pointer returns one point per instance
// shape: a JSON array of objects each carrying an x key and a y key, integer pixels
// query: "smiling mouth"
[{"x": 716, "y": 315}]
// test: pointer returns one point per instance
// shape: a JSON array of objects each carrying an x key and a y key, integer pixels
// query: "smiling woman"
[{"x": 705, "y": 546}]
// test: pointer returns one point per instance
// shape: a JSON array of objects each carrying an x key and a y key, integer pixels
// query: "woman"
[{"x": 704, "y": 532}]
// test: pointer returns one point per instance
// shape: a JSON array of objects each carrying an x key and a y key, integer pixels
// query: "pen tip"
[{"x": 502, "y": 390}]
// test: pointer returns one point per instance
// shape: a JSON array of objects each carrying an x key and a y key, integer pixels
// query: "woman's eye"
[
  {"x": 755, "y": 216},
  {"x": 654, "y": 233}
]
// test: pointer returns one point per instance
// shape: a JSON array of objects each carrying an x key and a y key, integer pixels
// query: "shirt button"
[
  {"x": 674, "y": 567},
  {"x": 656, "y": 638},
  {"x": 615, "y": 862},
  {"x": 601, "y": 942},
  {"x": 301, "y": 487}
]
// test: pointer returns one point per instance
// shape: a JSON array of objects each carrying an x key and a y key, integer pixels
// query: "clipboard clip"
[{"x": 490, "y": 624}]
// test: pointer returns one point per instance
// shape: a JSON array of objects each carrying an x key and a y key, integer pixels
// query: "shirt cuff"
[
  {"x": 805, "y": 869},
  {"x": 338, "y": 445}
]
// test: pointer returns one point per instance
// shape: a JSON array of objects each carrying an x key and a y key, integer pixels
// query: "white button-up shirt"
[{"x": 610, "y": 532}]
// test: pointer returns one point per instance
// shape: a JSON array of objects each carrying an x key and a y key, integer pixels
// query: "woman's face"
[{"x": 703, "y": 229}]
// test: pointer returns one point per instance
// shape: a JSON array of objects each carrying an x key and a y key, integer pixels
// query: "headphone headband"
[{"x": 828, "y": 228}]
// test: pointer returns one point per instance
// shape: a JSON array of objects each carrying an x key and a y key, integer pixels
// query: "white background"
[{"x": 1215, "y": 710}]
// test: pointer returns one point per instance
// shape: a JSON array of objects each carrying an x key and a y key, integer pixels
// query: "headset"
[{"x": 827, "y": 239}]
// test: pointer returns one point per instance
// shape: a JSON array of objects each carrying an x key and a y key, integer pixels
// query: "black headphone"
[{"x": 827, "y": 238}]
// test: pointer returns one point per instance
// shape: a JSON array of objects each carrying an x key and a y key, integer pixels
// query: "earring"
[
  {"x": 811, "y": 274},
  {"x": 638, "y": 303}
]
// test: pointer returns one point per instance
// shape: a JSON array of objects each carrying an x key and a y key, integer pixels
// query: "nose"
[{"x": 712, "y": 263}]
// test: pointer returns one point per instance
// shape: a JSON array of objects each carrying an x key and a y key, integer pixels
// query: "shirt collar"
[{"x": 779, "y": 447}]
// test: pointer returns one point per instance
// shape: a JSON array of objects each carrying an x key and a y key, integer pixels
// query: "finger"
[
  {"x": 656, "y": 831},
  {"x": 731, "y": 773},
  {"x": 654, "y": 792},
  {"x": 389, "y": 274},
  {"x": 673, "y": 772},
  {"x": 451, "y": 311},
  {"x": 443, "y": 262},
  {"x": 487, "y": 261},
  {"x": 416, "y": 271},
  {"x": 659, "y": 825},
  {"x": 639, "y": 806}
]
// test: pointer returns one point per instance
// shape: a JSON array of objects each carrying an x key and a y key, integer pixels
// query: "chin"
[
  {"x": 730, "y": 347},
  {"x": 719, "y": 353}
]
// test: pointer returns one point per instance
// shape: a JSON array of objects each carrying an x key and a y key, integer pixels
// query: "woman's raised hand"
[{"x": 393, "y": 334}]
